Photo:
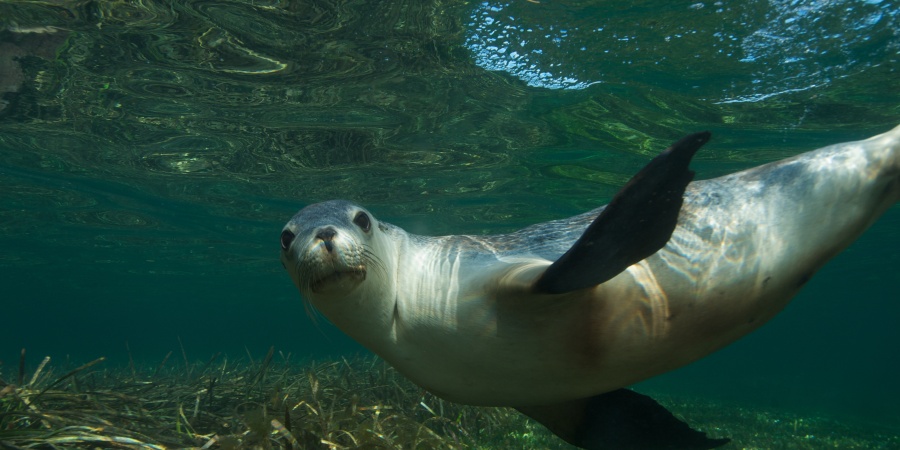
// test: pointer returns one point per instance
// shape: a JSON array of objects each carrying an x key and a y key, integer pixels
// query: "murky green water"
[{"x": 151, "y": 151}]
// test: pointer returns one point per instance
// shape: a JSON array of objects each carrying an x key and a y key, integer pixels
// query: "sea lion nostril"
[
  {"x": 286, "y": 238},
  {"x": 326, "y": 234}
]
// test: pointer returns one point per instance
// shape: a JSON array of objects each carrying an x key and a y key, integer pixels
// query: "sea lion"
[{"x": 558, "y": 318}]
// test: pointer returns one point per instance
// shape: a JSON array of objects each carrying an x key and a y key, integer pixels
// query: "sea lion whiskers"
[
  {"x": 308, "y": 307},
  {"x": 371, "y": 261}
]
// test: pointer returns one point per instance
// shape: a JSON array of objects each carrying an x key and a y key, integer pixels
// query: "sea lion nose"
[{"x": 326, "y": 236}]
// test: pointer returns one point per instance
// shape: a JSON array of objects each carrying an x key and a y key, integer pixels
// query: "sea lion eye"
[
  {"x": 362, "y": 220},
  {"x": 286, "y": 238}
]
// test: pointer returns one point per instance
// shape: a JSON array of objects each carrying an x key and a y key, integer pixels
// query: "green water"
[{"x": 150, "y": 153}]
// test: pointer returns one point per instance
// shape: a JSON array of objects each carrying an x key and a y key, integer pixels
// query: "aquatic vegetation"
[
  {"x": 343, "y": 404},
  {"x": 222, "y": 403}
]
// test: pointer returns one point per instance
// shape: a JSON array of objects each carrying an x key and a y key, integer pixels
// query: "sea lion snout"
[{"x": 326, "y": 236}]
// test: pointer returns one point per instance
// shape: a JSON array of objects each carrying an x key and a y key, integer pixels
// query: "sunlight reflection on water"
[{"x": 760, "y": 49}]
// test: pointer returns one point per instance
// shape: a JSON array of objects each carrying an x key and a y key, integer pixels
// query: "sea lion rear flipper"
[
  {"x": 621, "y": 419},
  {"x": 637, "y": 222}
]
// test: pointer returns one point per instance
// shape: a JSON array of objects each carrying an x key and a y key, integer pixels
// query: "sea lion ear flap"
[
  {"x": 637, "y": 222},
  {"x": 619, "y": 420}
]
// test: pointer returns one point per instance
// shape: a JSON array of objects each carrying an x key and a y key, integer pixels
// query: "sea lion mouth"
[{"x": 338, "y": 278}]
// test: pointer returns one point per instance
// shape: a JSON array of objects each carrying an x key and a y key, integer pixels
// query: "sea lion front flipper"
[
  {"x": 637, "y": 222},
  {"x": 621, "y": 419}
]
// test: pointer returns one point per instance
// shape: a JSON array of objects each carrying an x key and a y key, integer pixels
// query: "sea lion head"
[{"x": 330, "y": 249}]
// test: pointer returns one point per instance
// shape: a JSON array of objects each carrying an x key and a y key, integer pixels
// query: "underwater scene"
[{"x": 151, "y": 153}]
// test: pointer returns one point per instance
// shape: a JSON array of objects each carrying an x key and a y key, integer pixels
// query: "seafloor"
[{"x": 347, "y": 404}]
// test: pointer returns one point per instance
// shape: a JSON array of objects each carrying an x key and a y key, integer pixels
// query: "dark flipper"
[
  {"x": 621, "y": 419},
  {"x": 637, "y": 222}
]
